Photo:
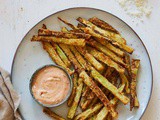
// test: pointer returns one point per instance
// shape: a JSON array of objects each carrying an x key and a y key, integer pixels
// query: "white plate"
[{"x": 30, "y": 56}]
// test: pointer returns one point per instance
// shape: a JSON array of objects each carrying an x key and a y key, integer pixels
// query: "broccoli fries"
[
  {"x": 97, "y": 76},
  {"x": 134, "y": 70},
  {"x": 109, "y": 34},
  {"x": 89, "y": 82},
  {"x": 53, "y": 54},
  {"x": 62, "y": 55},
  {"x": 98, "y": 57},
  {"x": 104, "y": 111},
  {"x": 71, "y": 98},
  {"x": 102, "y": 24},
  {"x": 73, "y": 108},
  {"x": 89, "y": 112},
  {"x": 78, "y": 42},
  {"x": 106, "y": 51},
  {"x": 104, "y": 40},
  {"x": 115, "y": 49},
  {"x": 70, "y": 56},
  {"x": 105, "y": 59},
  {"x": 45, "y": 32},
  {"x": 80, "y": 59},
  {"x": 67, "y": 23},
  {"x": 91, "y": 59},
  {"x": 126, "y": 82}
]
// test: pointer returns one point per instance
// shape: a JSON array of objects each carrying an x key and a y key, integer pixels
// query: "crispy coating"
[
  {"x": 79, "y": 58},
  {"x": 91, "y": 59},
  {"x": 134, "y": 70},
  {"x": 125, "y": 81},
  {"x": 102, "y": 24},
  {"x": 78, "y": 42},
  {"x": 102, "y": 80},
  {"x": 46, "y": 32},
  {"x": 116, "y": 37},
  {"x": 89, "y": 82},
  {"x": 102, "y": 115},
  {"x": 70, "y": 56},
  {"x": 71, "y": 98},
  {"x": 106, "y": 51},
  {"x": 61, "y": 54},
  {"x": 73, "y": 108},
  {"x": 104, "y": 40},
  {"x": 89, "y": 112},
  {"x": 105, "y": 59}
]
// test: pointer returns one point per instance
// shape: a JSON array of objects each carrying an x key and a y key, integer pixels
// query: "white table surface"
[{"x": 17, "y": 17}]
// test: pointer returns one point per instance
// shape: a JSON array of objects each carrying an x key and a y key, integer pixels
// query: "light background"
[{"x": 17, "y": 17}]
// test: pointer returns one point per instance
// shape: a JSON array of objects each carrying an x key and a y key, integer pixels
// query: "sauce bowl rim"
[{"x": 66, "y": 97}]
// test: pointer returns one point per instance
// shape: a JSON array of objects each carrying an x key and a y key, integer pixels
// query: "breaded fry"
[
  {"x": 51, "y": 114},
  {"x": 91, "y": 59},
  {"x": 115, "y": 49},
  {"x": 94, "y": 101},
  {"x": 105, "y": 33},
  {"x": 67, "y": 23},
  {"x": 71, "y": 98},
  {"x": 105, "y": 59},
  {"x": 92, "y": 85},
  {"x": 55, "y": 57},
  {"x": 104, "y": 111},
  {"x": 102, "y": 24},
  {"x": 126, "y": 82},
  {"x": 102, "y": 114},
  {"x": 79, "y": 58},
  {"x": 104, "y": 40},
  {"x": 70, "y": 56},
  {"x": 83, "y": 99},
  {"x": 127, "y": 61},
  {"x": 86, "y": 103},
  {"x": 73, "y": 108},
  {"x": 62, "y": 55},
  {"x": 89, "y": 97},
  {"x": 113, "y": 78},
  {"x": 89, "y": 112},
  {"x": 78, "y": 42},
  {"x": 86, "y": 91},
  {"x": 134, "y": 70},
  {"x": 46, "y": 32},
  {"x": 98, "y": 92},
  {"x": 102, "y": 80},
  {"x": 115, "y": 100},
  {"x": 106, "y": 51}
]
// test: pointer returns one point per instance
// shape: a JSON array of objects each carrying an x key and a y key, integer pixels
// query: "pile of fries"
[{"x": 103, "y": 74}]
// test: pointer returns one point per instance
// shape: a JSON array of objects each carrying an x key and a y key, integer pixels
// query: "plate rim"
[{"x": 92, "y": 8}]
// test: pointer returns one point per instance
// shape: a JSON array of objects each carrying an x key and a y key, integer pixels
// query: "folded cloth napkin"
[{"x": 9, "y": 98}]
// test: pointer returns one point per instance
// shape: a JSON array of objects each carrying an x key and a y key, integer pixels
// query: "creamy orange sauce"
[{"x": 50, "y": 85}]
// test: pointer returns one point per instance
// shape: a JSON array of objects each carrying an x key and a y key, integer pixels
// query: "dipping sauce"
[{"x": 50, "y": 85}]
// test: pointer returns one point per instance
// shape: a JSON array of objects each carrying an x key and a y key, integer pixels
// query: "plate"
[{"x": 30, "y": 56}]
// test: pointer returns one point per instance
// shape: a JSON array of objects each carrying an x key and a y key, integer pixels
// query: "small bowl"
[{"x": 64, "y": 100}]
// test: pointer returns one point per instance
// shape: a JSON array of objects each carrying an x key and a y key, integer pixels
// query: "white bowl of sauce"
[{"x": 50, "y": 86}]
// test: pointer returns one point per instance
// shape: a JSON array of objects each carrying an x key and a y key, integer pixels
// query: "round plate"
[{"x": 30, "y": 56}]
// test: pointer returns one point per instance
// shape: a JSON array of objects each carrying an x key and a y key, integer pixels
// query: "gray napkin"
[{"x": 9, "y": 98}]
